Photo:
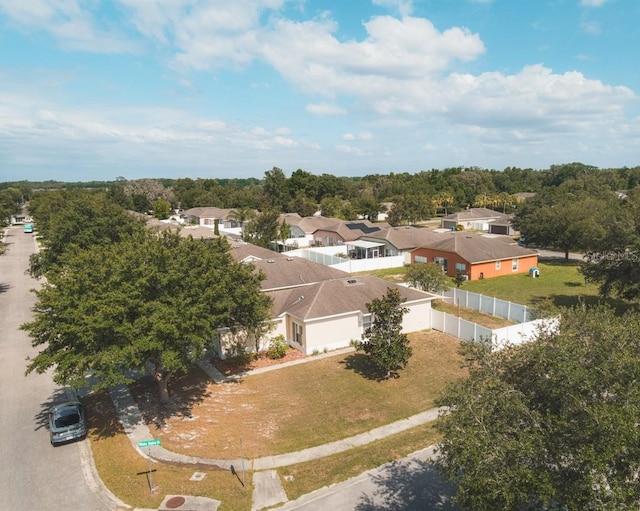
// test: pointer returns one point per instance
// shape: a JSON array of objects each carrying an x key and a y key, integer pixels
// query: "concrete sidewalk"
[{"x": 268, "y": 490}]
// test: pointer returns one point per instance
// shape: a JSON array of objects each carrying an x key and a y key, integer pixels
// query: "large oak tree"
[
  {"x": 150, "y": 302},
  {"x": 552, "y": 424}
]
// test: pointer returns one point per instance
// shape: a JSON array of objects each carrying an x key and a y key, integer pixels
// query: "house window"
[
  {"x": 498, "y": 265},
  {"x": 461, "y": 267},
  {"x": 441, "y": 261},
  {"x": 421, "y": 259},
  {"x": 318, "y": 242},
  {"x": 514, "y": 264},
  {"x": 297, "y": 333},
  {"x": 367, "y": 321}
]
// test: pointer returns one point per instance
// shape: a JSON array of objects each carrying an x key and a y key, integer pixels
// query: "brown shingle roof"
[
  {"x": 475, "y": 248},
  {"x": 281, "y": 270},
  {"x": 405, "y": 238},
  {"x": 337, "y": 296},
  {"x": 286, "y": 272},
  {"x": 209, "y": 212}
]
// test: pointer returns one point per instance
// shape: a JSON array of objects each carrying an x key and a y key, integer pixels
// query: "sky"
[{"x": 102, "y": 89}]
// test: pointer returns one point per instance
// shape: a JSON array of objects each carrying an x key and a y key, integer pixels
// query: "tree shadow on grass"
[
  {"x": 361, "y": 364},
  {"x": 413, "y": 485},
  {"x": 102, "y": 418},
  {"x": 185, "y": 392}
]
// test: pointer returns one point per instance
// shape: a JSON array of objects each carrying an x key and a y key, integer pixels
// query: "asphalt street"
[{"x": 33, "y": 474}]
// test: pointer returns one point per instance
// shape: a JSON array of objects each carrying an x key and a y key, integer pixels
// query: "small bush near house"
[
  {"x": 239, "y": 354},
  {"x": 278, "y": 347}
]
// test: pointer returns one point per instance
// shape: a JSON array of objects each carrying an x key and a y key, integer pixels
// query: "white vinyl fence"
[
  {"x": 488, "y": 305},
  {"x": 523, "y": 331}
]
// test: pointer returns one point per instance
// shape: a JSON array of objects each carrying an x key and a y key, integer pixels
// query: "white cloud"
[
  {"x": 404, "y": 7},
  {"x": 324, "y": 109},
  {"x": 591, "y": 27},
  {"x": 593, "y": 3},
  {"x": 70, "y": 22},
  {"x": 365, "y": 135}
]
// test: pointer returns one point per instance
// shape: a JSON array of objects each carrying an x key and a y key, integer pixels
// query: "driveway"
[{"x": 411, "y": 484}]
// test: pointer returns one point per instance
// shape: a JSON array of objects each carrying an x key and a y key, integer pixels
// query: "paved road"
[
  {"x": 408, "y": 485},
  {"x": 33, "y": 475}
]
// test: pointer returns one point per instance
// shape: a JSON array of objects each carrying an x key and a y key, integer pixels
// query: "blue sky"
[{"x": 97, "y": 89}]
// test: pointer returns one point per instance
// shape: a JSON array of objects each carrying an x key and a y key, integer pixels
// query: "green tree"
[
  {"x": 551, "y": 424},
  {"x": 152, "y": 302},
  {"x": 428, "y": 277},
  {"x": 302, "y": 205},
  {"x": 284, "y": 232},
  {"x": 10, "y": 204},
  {"x": 384, "y": 341},
  {"x": 76, "y": 220},
  {"x": 263, "y": 229},
  {"x": 574, "y": 217},
  {"x": 242, "y": 215},
  {"x": 161, "y": 209},
  {"x": 275, "y": 189}
]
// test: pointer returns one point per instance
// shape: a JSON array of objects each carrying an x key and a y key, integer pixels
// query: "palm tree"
[{"x": 242, "y": 215}]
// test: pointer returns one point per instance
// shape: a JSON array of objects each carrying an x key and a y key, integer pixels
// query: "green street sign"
[{"x": 149, "y": 443}]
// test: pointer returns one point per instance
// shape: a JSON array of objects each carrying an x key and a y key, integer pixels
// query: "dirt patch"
[{"x": 230, "y": 367}]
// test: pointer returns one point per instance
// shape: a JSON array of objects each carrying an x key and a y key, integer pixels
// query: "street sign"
[{"x": 149, "y": 443}]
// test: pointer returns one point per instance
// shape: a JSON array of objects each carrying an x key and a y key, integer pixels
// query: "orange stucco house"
[{"x": 476, "y": 256}]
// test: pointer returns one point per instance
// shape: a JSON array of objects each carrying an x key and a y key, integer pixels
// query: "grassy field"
[{"x": 275, "y": 412}]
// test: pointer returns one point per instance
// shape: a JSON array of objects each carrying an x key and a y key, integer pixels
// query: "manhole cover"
[{"x": 174, "y": 502}]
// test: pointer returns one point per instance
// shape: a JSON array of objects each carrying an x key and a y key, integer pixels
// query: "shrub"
[
  {"x": 239, "y": 354},
  {"x": 278, "y": 347}
]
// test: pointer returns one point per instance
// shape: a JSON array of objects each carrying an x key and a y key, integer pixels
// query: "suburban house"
[
  {"x": 209, "y": 215},
  {"x": 331, "y": 314},
  {"x": 318, "y": 308},
  {"x": 320, "y": 231},
  {"x": 479, "y": 219},
  {"x": 393, "y": 241},
  {"x": 476, "y": 256}
]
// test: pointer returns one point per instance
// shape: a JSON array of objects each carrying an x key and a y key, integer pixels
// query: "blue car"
[{"x": 67, "y": 422}]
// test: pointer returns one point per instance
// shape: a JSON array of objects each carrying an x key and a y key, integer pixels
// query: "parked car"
[{"x": 67, "y": 422}]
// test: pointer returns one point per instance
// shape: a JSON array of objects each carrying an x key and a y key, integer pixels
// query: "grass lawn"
[
  {"x": 275, "y": 412},
  {"x": 560, "y": 285},
  {"x": 471, "y": 315},
  {"x": 299, "y": 406}
]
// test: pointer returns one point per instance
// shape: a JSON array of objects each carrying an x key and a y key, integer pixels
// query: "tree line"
[{"x": 417, "y": 196}]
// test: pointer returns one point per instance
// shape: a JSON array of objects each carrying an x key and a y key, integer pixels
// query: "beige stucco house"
[{"x": 318, "y": 308}]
